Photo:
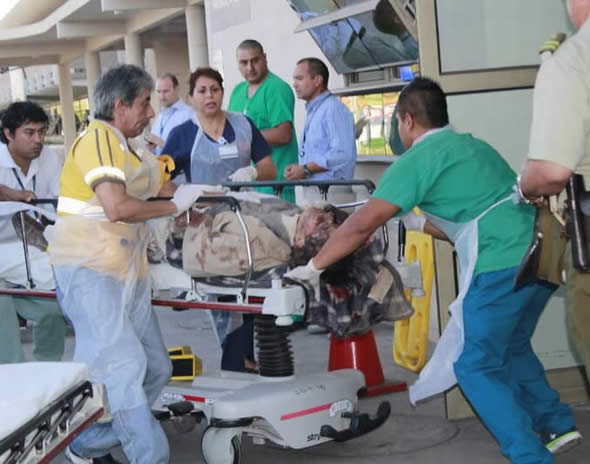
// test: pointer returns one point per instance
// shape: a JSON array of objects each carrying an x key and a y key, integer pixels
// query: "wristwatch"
[{"x": 306, "y": 172}]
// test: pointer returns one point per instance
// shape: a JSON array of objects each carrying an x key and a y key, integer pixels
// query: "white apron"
[
  {"x": 212, "y": 162},
  {"x": 439, "y": 375}
]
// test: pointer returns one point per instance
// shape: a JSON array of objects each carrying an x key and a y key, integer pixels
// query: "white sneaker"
[{"x": 75, "y": 459}]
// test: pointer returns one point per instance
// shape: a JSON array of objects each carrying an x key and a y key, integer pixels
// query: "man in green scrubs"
[
  {"x": 269, "y": 102},
  {"x": 464, "y": 188}
]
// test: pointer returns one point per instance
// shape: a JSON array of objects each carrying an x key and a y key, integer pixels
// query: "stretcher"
[
  {"x": 44, "y": 407},
  {"x": 274, "y": 405}
]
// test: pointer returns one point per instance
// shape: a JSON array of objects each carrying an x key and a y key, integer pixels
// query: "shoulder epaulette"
[{"x": 553, "y": 43}]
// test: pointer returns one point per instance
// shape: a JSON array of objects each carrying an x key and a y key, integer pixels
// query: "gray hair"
[{"x": 125, "y": 82}]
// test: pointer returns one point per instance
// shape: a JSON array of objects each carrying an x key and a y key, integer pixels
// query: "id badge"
[{"x": 228, "y": 151}]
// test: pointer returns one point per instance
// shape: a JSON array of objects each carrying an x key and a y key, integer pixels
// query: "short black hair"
[
  {"x": 425, "y": 101},
  {"x": 170, "y": 76},
  {"x": 316, "y": 66},
  {"x": 249, "y": 44},
  {"x": 18, "y": 114}
]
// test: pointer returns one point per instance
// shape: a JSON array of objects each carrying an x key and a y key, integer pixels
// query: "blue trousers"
[
  {"x": 498, "y": 371},
  {"x": 119, "y": 338}
]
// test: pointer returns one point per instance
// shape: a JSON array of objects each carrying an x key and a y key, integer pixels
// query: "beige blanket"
[{"x": 216, "y": 246}]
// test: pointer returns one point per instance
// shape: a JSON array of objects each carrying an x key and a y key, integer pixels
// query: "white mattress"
[
  {"x": 8, "y": 208},
  {"x": 26, "y": 388}
]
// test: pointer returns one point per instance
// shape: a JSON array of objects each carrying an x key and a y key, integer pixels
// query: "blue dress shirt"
[
  {"x": 328, "y": 138},
  {"x": 168, "y": 119}
]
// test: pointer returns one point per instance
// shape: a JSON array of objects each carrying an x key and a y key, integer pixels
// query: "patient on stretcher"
[{"x": 356, "y": 293}]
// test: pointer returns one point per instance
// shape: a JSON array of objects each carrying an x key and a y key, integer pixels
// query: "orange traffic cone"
[{"x": 360, "y": 352}]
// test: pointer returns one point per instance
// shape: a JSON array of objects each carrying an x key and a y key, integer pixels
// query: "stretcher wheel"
[{"x": 221, "y": 446}]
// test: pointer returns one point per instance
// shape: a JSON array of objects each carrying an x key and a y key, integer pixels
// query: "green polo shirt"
[
  {"x": 457, "y": 177},
  {"x": 273, "y": 103}
]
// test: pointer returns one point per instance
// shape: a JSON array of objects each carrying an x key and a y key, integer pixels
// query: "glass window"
[
  {"x": 368, "y": 40},
  {"x": 319, "y": 7},
  {"x": 373, "y": 115},
  {"x": 495, "y": 34}
]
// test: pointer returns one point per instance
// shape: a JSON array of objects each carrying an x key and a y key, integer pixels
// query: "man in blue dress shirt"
[
  {"x": 174, "y": 112},
  {"x": 327, "y": 148}
]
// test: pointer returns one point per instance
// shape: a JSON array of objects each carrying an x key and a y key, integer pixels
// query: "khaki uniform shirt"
[{"x": 560, "y": 130}]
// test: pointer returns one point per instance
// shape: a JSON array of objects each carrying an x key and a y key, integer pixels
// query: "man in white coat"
[{"x": 28, "y": 170}]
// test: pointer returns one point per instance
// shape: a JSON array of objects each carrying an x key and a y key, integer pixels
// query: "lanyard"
[{"x": 20, "y": 182}]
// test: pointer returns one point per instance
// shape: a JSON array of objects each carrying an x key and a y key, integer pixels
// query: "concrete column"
[
  {"x": 92, "y": 62},
  {"x": 133, "y": 50},
  {"x": 66, "y": 99},
  {"x": 17, "y": 85},
  {"x": 196, "y": 31}
]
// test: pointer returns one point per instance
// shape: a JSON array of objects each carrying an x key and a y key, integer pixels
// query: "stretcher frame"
[
  {"x": 42, "y": 438},
  {"x": 243, "y": 305}
]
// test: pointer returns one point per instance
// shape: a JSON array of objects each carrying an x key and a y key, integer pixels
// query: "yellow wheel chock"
[
  {"x": 185, "y": 365},
  {"x": 410, "y": 336}
]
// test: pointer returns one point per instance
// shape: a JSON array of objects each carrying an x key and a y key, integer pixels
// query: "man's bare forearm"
[
  {"x": 541, "y": 178},
  {"x": 279, "y": 135},
  {"x": 344, "y": 241},
  {"x": 9, "y": 194},
  {"x": 5, "y": 193},
  {"x": 118, "y": 206},
  {"x": 355, "y": 231},
  {"x": 134, "y": 210},
  {"x": 434, "y": 231},
  {"x": 266, "y": 169}
]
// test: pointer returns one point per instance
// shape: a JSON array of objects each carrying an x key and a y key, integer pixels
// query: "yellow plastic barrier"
[{"x": 410, "y": 336}]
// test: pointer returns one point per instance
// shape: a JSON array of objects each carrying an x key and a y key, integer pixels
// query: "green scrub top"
[
  {"x": 272, "y": 104},
  {"x": 456, "y": 177}
]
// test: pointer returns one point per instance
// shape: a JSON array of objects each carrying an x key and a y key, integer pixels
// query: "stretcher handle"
[
  {"x": 401, "y": 241},
  {"x": 44, "y": 201},
  {"x": 323, "y": 185},
  {"x": 231, "y": 201},
  {"x": 23, "y": 231},
  {"x": 234, "y": 204},
  {"x": 34, "y": 202}
]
